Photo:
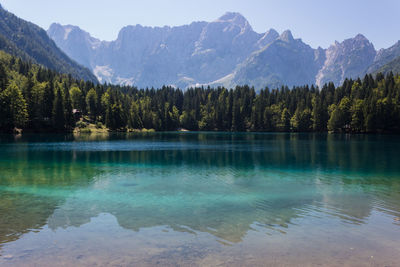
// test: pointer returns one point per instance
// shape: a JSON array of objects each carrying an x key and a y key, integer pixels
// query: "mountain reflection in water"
[{"x": 222, "y": 184}]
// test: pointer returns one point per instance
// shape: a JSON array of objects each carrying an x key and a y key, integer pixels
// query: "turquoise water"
[{"x": 200, "y": 199}]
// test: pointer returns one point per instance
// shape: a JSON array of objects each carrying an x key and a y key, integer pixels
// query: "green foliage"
[
  {"x": 38, "y": 99},
  {"x": 135, "y": 120},
  {"x": 285, "y": 120},
  {"x": 85, "y": 130},
  {"x": 81, "y": 124},
  {"x": 99, "y": 125},
  {"x": 357, "y": 117},
  {"x": 341, "y": 116},
  {"x": 69, "y": 116},
  {"x": 31, "y": 43},
  {"x": 58, "y": 111},
  {"x": 13, "y": 111},
  {"x": 319, "y": 114},
  {"x": 334, "y": 123},
  {"x": 76, "y": 97},
  {"x": 301, "y": 120},
  {"x": 188, "y": 121},
  {"x": 3, "y": 77},
  {"x": 91, "y": 103}
]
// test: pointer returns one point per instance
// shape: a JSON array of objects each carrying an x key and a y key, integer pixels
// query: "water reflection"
[
  {"x": 32, "y": 186},
  {"x": 221, "y": 184}
]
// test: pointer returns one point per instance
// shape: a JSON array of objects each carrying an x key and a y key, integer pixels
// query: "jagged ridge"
[{"x": 226, "y": 51}]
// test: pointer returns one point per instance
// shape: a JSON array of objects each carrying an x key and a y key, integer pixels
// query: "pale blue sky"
[{"x": 317, "y": 22}]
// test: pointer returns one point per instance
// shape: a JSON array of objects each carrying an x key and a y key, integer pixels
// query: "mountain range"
[
  {"x": 31, "y": 43},
  {"x": 226, "y": 52}
]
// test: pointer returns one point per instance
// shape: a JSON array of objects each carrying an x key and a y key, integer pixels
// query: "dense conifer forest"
[{"x": 33, "y": 98}]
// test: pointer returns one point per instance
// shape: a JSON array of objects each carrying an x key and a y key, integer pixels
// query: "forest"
[{"x": 36, "y": 99}]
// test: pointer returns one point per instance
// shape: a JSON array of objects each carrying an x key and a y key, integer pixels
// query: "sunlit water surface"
[{"x": 207, "y": 199}]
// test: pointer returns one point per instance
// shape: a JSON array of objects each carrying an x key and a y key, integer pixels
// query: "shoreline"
[{"x": 108, "y": 131}]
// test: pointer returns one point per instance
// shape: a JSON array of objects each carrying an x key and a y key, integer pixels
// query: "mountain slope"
[
  {"x": 348, "y": 59},
  {"x": 28, "y": 41},
  {"x": 153, "y": 56},
  {"x": 385, "y": 56},
  {"x": 284, "y": 61},
  {"x": 392, "y": 66},
  {"x": 226, "y": 52}
]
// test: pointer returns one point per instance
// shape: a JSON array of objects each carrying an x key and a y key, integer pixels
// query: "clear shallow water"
[{"x": 200, "y": 199}]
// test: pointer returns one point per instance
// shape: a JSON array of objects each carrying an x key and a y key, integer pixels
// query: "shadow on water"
[{"x": 219, "y": 183}]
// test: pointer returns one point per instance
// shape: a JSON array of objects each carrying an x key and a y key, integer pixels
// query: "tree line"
[{"x": 34, "y": 98}]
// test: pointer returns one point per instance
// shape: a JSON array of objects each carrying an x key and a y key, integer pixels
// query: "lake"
[{"x": 200, "y": 199}]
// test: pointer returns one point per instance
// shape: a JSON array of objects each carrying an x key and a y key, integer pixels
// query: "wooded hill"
[{"x": 31, "y": 43}]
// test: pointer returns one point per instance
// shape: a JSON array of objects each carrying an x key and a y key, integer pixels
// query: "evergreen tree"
[
  {"x": 319, "y": 114},
  {"x": 69, "y": 116},
  {"x": 3, "y": 77},
  {"x": 285, "y": 120},
  {"x": 135, "y": 121},
  {"x": 58, "y": 111},
  {"x": 334, "y": 123},
  {"x": 91, "y": 103},
  {"x": 13, "y": 111},
  {"x": 48, "y": 98},
  {"x": 357, "y": 117},
  {"x": 76, "y": 98}
]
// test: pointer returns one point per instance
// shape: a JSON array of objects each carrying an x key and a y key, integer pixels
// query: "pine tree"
[
  {"x": 76, "y": 97},
  {"x": 58, "y": 111},
  {"x": 91, "y": 103},
  {"x": 3, "y": 77},
  {"x": 48, "y": 98},
  {"x": 69, "y": 116},
  {"x": 285, "y": 120},
  {"x": 13, "y": 111},
  {"x": 135, "y": 122}
]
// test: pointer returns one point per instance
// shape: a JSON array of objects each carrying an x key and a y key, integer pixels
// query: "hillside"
[
  {"x": 392, "y": 66},
  {"x": 30, "y": 42}
]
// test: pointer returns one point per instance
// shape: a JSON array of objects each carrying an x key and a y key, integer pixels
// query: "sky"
[{"x": 316, "y": 22}]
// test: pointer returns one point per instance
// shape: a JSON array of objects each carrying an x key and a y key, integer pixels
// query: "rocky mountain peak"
[
  {"x": 66, "y": 32},
  {"x": 286, "y": 36},
  {"x": 357, "y": 41},
  {"x": 129, "y": 29},
  {"x": 360, "y": 37},
  {"x": 62, "y": 31},
  {"x": 393, "y": 49},
  {"x": 225, "y": 51},
  {"x": 271, "y": 34},
  {"x": 233, "y": 17},
  {"x": 348, "y": 59},
  {"x": 268, "y": 38},
  {"x": 383, "y": 56},
  {"x": 56, "y": 27}
]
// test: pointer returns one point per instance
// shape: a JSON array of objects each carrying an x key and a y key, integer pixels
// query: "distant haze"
[
  {"x": 224, "y": 52},
  {"x": 318, "y": 22}
]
